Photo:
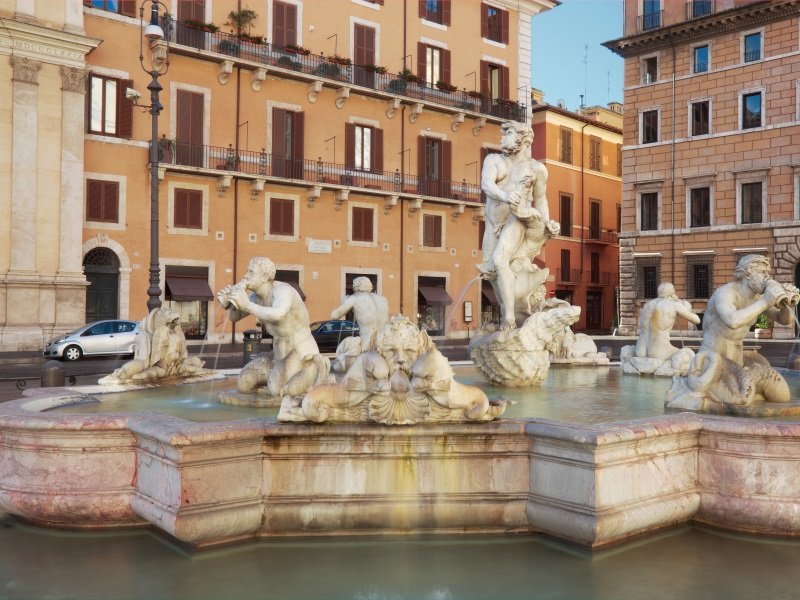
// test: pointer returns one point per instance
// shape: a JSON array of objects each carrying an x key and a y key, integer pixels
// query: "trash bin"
[
  {"x": 52, "y": 374},
  {"x": 252, "y": 344}
]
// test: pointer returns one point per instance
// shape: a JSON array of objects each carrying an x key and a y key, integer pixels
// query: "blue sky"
[{"x": 560, "y": 40}]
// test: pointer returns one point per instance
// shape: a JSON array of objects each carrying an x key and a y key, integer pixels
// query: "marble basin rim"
[{"x": 212, "y": 483}]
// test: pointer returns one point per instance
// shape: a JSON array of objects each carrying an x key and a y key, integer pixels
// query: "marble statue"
[
  {"x": 722, "y": 377},
  {"x": 160, "y": 352},
  {"x": 370, "y": 310},
  {"x": 653, "y": 353},
  {"x": 401, "y": 379},
  {"x": 294, "y": 365},
  {"x": 517, "y": 223}
]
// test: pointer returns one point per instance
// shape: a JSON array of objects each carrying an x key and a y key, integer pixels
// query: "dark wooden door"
[
  {"x": 594, "y": 310},
  {"x": 101, "y": 267}
]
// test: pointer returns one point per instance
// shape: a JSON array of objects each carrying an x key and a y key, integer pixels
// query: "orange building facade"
[
  {"x": 711, "y": 154},
  {"x": 581, "y": 151},
  {"x": 339, "y": 139}
]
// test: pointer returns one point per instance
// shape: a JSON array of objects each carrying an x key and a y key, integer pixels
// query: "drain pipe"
[
  {"x": 672, "y": 177},
  {"x": 236, "y": 191},
  {"x": 583, "y": 200},
  {"x": 403, "y": 163}
]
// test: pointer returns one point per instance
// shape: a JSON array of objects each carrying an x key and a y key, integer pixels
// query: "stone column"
[{"x": 628, "y": 322}]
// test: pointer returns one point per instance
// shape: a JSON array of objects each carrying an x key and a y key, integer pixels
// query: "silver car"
[{"x": 100, "y": 337}]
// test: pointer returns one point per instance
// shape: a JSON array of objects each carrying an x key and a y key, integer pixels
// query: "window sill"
[
  {"x": 362, "y": 244},
  {"x": 431, "y": 248},
  {"x": 171, "y": 229},
  {"x": 104, "y": 225},
  {"x": 272, "y": 237},
  {"x": 434, "y": 24}
]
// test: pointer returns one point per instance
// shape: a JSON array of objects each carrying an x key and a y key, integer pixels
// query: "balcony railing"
[
  {"x": 338, "y": 69},
  {"x": 752, "y": 56},
  {"x": 649, "y": 21},
  {"x": 603, "y": 278},
  {"x": 604, "y": 236},
  {"x": 700, "y": 67},
  {"x": 699, "y": 8},
  {"x": 568, "y": 275},
  {"x": 263, "y": 164}
]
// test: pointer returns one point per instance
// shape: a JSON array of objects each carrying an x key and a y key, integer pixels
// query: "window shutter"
[
  {"x": 423, "y": 9},
  {"x": 504, "y": 24},
  {"x": 505, "y": 95},
  {"x": 377, "y": 149},
  {"x": 437, "y": 231},
  {"x": 421, "y": 61},
  {"x": 357, "y": 224},
  {"x": 592, "y": 150},
  {"x": 298, "y": 143},
  {"x": 349, "y": 145},
  {"x": 290, "y": 24},
  {"x": 184, "y": 114},
  {"x": 94, "y": 200},
  {"x": 124, "y": 109},
  {"x": 445, "y": 66},
  {"x": 180, "y": 208},
  {"x": 278, "y": 24},
  {"x": 421, "y": 157},
  {"x": 279, "y": 132},
  {"x": 445, "y": 12},
  {"x": 427, "y": 230},
  {"x": 485, "y": 90},
  {"x": 196, "y": 131},
  {"x": 288, "y": 217},
  {"x": 127, "y": 8},
  {"x": 111, "y": 202},
  {"x": 484, "y": 20},
  {"x": 369, "y": 215},
  {"x": 446, "y": 158},
  {"x": 195, "y": 209}
]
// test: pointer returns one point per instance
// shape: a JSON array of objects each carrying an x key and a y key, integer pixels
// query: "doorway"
[{"x": 101, "y": 267}]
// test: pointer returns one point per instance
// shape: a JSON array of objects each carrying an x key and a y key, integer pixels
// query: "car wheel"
[{"x": 72, "y": 353}]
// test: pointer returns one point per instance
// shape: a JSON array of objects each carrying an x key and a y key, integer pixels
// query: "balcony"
[
  {"x": 217, "y": 160},
  {"x": 568, "y": 276},
  {"x": 649, "y": 21},
  {"x": 337, "y": 71},
  {"x": 699, "y": 8},
  {"x": 602, "y": 236},
  {"x": 604, "y": 278}
]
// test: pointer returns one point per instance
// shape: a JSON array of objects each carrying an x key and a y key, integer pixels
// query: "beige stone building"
[
  {"x": 338, "y": 138},
  {"x": 711, "y": 155}
]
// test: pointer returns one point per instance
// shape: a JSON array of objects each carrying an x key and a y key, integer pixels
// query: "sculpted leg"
[
  {"x": 506, "y": 246},
  {"x": 254, "y": 374}
]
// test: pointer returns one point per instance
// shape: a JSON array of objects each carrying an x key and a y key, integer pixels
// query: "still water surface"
[{"x": 688, "y": 563}]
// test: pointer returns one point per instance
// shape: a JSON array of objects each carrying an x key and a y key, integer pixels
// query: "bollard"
[
  {"x": 607, "y": 351},
  {"x": 52, "y": 374},
  {"x": 252, "y": 344}
]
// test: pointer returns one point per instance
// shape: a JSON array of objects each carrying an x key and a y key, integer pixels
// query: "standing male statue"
[
  {"x": 370, "y": 311},
  {"x": 722, "y": 375},
  {"x": 294, "y": 364},
  {"x": 517, "y": 218}
]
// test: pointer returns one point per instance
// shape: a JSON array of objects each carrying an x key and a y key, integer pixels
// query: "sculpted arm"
[
  {"x": 685, "y": 311},
  {"x": 539, "y": 189},
  {"x": 281, "y": 305},
  {"x": 345, "y": 307},
  {"x": 743, "y": 317},
  {"x": 489, "y": 176}
]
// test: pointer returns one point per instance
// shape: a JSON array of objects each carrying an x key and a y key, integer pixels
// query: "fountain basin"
[{"x": 212, "y": 483}]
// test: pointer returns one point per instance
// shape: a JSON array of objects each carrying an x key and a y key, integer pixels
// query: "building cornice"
[
  {"x": 537, "y": 108},
  {"x": 27, "y": 40},
  {"x": 684, "y": 32},
  {"x": 527, "y": 7}
]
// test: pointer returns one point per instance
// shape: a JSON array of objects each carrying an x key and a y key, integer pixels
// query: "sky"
[{"x": 568, "y": 59}]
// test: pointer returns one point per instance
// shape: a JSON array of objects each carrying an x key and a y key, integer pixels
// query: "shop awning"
[
  {"x": 488, "y": 293},
  {"x": 188, "y": 289},
  {"x": 435, "y": 295}
]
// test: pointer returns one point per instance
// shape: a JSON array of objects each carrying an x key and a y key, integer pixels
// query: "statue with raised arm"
[
  {"x": 294, "y": 365},
  {"x": 722, "y": 377},
  {"x": 517, "y": 223},
  {"x": 654, "y": 353},
  {"x": 370, "y": 312}
]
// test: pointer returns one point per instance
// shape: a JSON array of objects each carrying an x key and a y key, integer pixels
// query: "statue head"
[
  {"x": 400, "y": 343},
  {"x": 260, "y": 270},
  {"x": 666, "y": 290},
  {"x": 755, "y": 269},
  {"x": 362, "y": 284},
  {"x": 515, "y": 137}
]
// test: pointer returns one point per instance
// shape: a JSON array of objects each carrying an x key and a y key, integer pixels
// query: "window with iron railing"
[
  {"x": 648, "y": 215},
  {"x": 700, "y": 55},
  {"x": 648, "y": 273},
  {"x": 752, "y": 47},
  {"x": 699, "y": 8},
  {"x": 700, "y": 209},
  {"x": 651, "y": 15},
  {"x": 650, "y": 70},
  {"x": 699, "y": 270}
]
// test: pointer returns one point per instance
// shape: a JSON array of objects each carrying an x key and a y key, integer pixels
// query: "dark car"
[{"x": 328, "y": 334}]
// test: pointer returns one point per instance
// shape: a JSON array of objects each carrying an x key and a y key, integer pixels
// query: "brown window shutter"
[
  {"x": 288, "y": 217},
  {"x": 504, "y": 25},
  {"x": 94, "y": 200},
  {"x": 362, "y": 224},
  {"x": 485, "y": 90},
  {"x": 357, "y": 224},
  {"x": 110, "y": 201},
  {"x": 349, "y": 145},
  {"x": 124, "y": 109},
  {"x": 377, "y": 149},
  {"x": 505, "y": 90},
  {"x": 278, "y": 23},
  {"x": 446, "y": 157},
  {"x": 195, "y": 209},
  {"x": 180, "y": 215},
  {"x": 369, "y": 215},
  {"x": 445, "y": 12},
  {"x": 127, "y": 8},
  {"x": 196, "y": 131},
  {"x": 183, "y": 114},
  {"x": 484, "y": 20},
  {"x": 437, "y": 231},
  {"x": 446, "y": 66},
  {"x": 279, "y": 132},
  {"x": 423, "y": 9},
  {"x": 427, "y": 230},
  {"x": 421, "y": 61},
  {"x": 275, "y": 216},
  {"x": 298, "y": 141},
  {"x": 290, "y": 25}
]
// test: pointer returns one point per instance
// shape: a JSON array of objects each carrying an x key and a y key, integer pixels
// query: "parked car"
[
  {"x": 100, "y": 337},
  {"x": 328, "y": 334}
]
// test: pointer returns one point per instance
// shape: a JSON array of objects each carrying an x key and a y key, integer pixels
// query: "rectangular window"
[
  {"x": 363, "y": 224},
  {"x": 752, "y": 47},
  {"x": 649, "y": 281},
  {"x": 594, "y": 220},
  {"x": 698, "y": 276},
  {"x": 189, "y": 130},
  {"x": 364, "y": 54},
  {"x": 649, "y": 126},
  {"x": 363, "y": 148},
  {"x": 700, "y": 59},
  {"x": 594, "y": 266},
  {"x": 432, "y": 231},
  {"x": 494, "y": 86},
  {"x": 700, "y": 200},
  {"x": 110, "y": 112},
  {"x": 700, "y": 117},
  {"x": 436, "y": 11},
  {"x": 650, "y": 69},
  {"x": 494, "y": 24},
  {"x": 565, "y": 266},
  {"x": 434, "y": 167},
  {"x": 751, "y": 110},
  {"x": 651, "y": 17},
  {"x": 648, "y": 216},
  {"x": 566, "y": 145},
  {"x": 287, "y": 143},
  {"x": 281, "y": 216},
  {"x": 565, "y": 214},
  {"x": 122, "y": 7},
  {"x": 188, "y": 207},
  {"x": 751, "y": 202},
  {"x": 102, "y": 201},
  {"x": 595, "y": 153},
  {"x": 284, "y": 24},
  {"x": 699, "y": 8},
  {"x": 648, "y": 274},
  {"x": 433, "y": 65}
]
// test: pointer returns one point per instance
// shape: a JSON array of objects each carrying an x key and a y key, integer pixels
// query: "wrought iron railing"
[
  {"x": 607, "y": 236},
  {"x": 699, "y": 8},
  {"x": 338, "y": 69},
  {"x": 603, "y": 277},
  {"x": 568, "y": 275},
  {"x": 649, "y": 21},
  {"x": 752, "y": 55},
  {"x": 264, "y": 164}
]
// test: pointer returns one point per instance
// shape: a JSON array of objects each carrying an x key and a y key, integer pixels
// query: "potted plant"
[
  {"x": 229, "y": 47},
  {"x": 375, "y": 69},
  {"x": 407, "y": 76},
  {"x": 295, "y": 49},
  {"x": 209, "y": 27},
  {"x": 763, "y": 327},
  {"x": 445, "y": 87},
  {"x": 329, "y": 70},
  {"x": 239, "y": 20},
  {"x": 166, "y": 149},
  {"x": 340, "y": 60}
]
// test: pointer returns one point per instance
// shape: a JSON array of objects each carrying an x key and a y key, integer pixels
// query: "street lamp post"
[{"x": 153, "y": 32}]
